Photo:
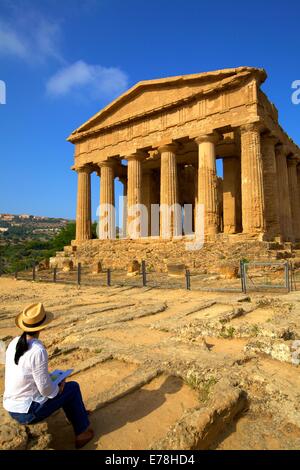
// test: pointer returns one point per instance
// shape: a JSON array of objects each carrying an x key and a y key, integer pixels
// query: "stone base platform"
[{"x": 118, "y": 254}]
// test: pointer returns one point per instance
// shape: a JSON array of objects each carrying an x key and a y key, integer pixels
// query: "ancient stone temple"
[{"x": 162, "y": 138}]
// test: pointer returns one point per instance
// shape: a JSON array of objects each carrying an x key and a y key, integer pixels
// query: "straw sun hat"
[{"x": 34, "y": 318}]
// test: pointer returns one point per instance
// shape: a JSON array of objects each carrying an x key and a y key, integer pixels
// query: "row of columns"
[{"x": 263, "y": 182}]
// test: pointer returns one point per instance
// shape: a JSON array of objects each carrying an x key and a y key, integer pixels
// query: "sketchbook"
[{"x": 58, "y": 375}]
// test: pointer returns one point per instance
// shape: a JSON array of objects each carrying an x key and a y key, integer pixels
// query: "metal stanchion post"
[
  {"x": 188, "y": 279},
  {"x": 144, "y": 273},
  {"x": 288, "y": 276},
  {"x": 245, "y": 277},
  {"x": 108, "y": 277},
  {"x": 242, "y": 274},
  {"x": 79, "y": 274}
]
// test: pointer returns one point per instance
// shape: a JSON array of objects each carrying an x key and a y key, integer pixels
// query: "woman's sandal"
[{"x": 89, "y": 434}]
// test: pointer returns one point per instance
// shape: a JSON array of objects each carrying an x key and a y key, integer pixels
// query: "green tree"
[{"x": 19, "y": 256}]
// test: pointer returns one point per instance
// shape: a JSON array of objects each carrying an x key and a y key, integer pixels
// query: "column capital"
[
  {"x": 251, "y": 127},
  {"x": 107, "y": 164},
  {"x": 212, "y": 138},
  {"x": 172, "y": 147},
  {"x": 139, "y": 155},
  {"x": 292, "y": 161},
  {"x": 270, "y": 139},
  {"x": 83, "y": 169},
  {"x": 281, "y": 149}
]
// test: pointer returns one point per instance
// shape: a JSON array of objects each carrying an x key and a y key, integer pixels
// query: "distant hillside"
[
  {"x": 18, "y": 228},
  {"x": 18, "y": 255}
]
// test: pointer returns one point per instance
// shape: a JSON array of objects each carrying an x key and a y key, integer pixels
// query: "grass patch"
[
  {"x": 206, "y": 387},
  {"x": 202, "y": 386},
  {"x": 255, "y": 330},
  {"x": 227, "y": 333}
]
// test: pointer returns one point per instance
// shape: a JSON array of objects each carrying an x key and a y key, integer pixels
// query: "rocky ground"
[{"x": 166, "y": 369}]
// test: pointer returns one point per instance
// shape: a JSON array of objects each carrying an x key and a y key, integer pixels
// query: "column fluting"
[
  {"x": 253, "y": 205},
  {"x": 294, "y": 197},
  {"x": 270, "y": 182},
  {"x": 134, "y": 195},
  {"x": 207, "y": 182},
  {"x": 83, "y": 211},
  {"x": 285, "y": 213},
  {"x": 107, "y": 228},
  {"x": 169, "y": 208}
]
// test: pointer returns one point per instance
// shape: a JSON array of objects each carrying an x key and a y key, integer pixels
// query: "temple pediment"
[{"x": 149, "y": 96}]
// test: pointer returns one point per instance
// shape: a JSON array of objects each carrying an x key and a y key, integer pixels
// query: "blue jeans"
[{"x": 70, "y": 400}]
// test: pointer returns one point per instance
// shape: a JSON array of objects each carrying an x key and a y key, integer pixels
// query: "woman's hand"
[{"x": 61, "y": 386}]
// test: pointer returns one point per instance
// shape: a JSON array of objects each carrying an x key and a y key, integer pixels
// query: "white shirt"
[{"x": 29, "y": 380}]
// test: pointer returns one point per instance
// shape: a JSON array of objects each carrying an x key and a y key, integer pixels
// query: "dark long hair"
[{"x": 22, "y": 346}]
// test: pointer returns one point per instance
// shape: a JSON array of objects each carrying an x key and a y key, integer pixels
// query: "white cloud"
[
  {"x": 26, "y": 34},
  {"x": 30, "y": 36},
  {"x": 90, "y": 81},
  {"x": 11, "y": 43}
]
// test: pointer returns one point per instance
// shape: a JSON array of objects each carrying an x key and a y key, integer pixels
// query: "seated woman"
[{"x": 30, "y": 395}]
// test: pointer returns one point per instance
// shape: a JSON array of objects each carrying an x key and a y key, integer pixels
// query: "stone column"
[
  {"x": 253, "y": 205},
  {"x": 187, "y": 196},
  {"x": 270, "y": 182},
  {"x": 107, "y": 228},
  {"x": 294, "y": 197},
  {"x": 285, "y": 214},
  {"x": 207, "y": 182},
  {"x": 298, "y": 177},
  {"x": 169, "y": 208},
  {"x": 231, "y": 194},
  {"x": 147, "y": 197},
  {"x": 83, "y": 212},
  {"x": 196, "y": 197},
  {"x": 134, "y": 194},
  {"x": 124, "y": 215}
]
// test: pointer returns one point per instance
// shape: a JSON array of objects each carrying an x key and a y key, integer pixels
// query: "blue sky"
[{"x": 63, "y": 60}]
